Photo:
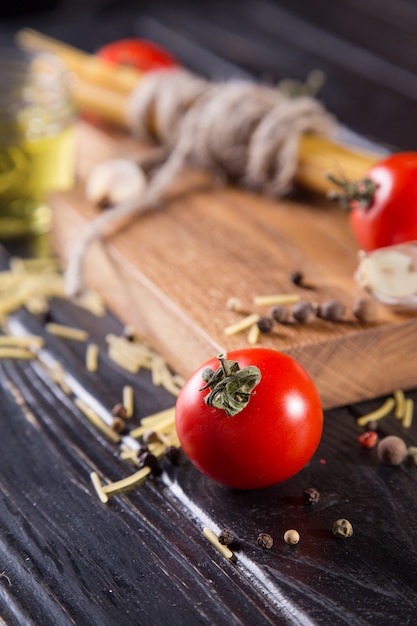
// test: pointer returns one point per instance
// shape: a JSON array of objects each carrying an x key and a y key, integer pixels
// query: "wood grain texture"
[
  {"x": 171, "y": 271},
  {"x": 142, "y": 559},
  {"x": 65, "y": 558}
]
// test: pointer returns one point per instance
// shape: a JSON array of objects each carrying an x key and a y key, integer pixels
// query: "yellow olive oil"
[
  {"x": 36, "y": 140},
  {"x": 28, "y": 171}
]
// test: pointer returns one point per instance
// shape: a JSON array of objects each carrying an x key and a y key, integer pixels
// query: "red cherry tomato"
[
  {"x": 388, "y": 214},
  {"x": 269, "y": 440},
  {"x": 140, "y": 54}
]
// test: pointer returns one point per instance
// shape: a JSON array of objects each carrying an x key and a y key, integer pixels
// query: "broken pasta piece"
[{"x": 243, "y": 324}]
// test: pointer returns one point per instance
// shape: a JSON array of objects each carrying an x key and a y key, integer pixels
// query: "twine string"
[{"x": 235, "y": 130}]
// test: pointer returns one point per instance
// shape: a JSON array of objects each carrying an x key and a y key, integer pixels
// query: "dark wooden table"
[{"x": 65, "y": 558}]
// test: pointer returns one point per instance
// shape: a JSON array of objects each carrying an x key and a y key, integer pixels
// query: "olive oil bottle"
[{"x": 36, "y": 140}]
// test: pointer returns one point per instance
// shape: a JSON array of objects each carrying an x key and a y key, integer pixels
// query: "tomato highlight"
[{"x": 269, "y": 440}]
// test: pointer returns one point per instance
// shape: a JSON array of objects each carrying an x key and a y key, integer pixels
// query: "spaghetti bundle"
[{"x": 236, "y": 130}]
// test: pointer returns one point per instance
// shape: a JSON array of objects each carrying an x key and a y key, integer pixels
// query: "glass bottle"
[{"x": 36, "y": 139}]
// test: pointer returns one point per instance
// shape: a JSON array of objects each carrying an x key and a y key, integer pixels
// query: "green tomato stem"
[
  {"x": 230, "y": 387},
  {"x": 360, "y": 192}
]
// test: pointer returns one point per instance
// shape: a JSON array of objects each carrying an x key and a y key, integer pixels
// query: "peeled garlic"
[
  {"x": 390, "y": 274},
  {"x": 114, "y": 181}
]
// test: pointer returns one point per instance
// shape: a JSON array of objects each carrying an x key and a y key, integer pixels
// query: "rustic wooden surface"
[
  {"x": 67, "y": 559},
  {"x": 171, "y": 271}
]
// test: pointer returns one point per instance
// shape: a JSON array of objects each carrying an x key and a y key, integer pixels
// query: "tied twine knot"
[{"x": 236, "y": 129}]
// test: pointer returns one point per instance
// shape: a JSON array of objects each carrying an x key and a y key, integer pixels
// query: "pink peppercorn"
[{"x": 369, "y": 439}]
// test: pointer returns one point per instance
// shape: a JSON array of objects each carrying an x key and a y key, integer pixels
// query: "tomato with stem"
[
  {"x": 249, "y": 419},
  {"x": 383, "y": 205}
]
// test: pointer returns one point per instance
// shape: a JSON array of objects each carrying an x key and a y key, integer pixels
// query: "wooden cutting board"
[{"x": 171, "y": 271}]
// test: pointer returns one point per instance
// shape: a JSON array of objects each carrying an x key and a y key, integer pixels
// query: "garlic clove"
[
  {"x": 114, "y": 181},
  {"x": 390, "y": 274}
]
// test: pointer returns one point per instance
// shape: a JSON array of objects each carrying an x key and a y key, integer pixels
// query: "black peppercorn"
[
  {"x": 142, "y": 450},
  {"x": 311, "y": 496},
  {"x": 265, "y": 541},
  {"x": 265, "y": 324},
  {"x": 331, "y": 310},
  {"x": 279, "y": 314},
  {"x": 147, "y": 459},
  {"x": 302, "y": 311},
  {"x": 297, "y": 278},
  {"x": 172, "y": 453},
  {"x": 226, "y": 537}
]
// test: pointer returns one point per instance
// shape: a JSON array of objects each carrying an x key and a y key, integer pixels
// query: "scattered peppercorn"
[
  {"x": 118, "y": 425},
  {"x": 142, "y": 450},
  {"x": 150, "y": 436},
  {"x": 392, "y": 450},
  {"x": 172, "y": 453},
  {"x": 279, "y": 313},
  {"x": 364, "y": 309},
  {"x": 226, "y": 537},
  {"x": 265, "y": 541},
  {"x": 372, "y": 425},
  {"x": 311, "y": 496},
  {"x": 342, "y": 528},
  {"x": 265, "y": 324},
  {"x": 302, "y": 311},
  {"x": 292, "y": 537},
  {"x": 331, "y": 310},
  {"x": 147, "y": 459},
  {"x": 119, "y": 410},
  {"x": 368, "y": 439},
  {"x": 297, "y": 278}
]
